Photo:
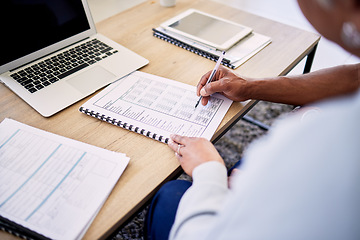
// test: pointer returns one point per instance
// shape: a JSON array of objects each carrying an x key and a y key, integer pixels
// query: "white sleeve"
[
  {"x": 300, "y": 181},
  {"x": 201, "y": 202}
]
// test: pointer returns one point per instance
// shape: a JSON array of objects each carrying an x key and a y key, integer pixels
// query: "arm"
[
  {"x": 280, "y": 193},
  {"x": 296, "y": 90},
  {"x": 199, "y": 206}
]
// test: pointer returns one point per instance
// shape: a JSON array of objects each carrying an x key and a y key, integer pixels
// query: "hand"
[
  {"x": 233, "y": 173},
  {"x": 193, "y": 152},
  {"x": 225, "y": 82}
]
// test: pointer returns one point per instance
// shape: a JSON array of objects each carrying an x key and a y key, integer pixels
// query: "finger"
[
  {"x": 203, "y": 92},
  {"x": 234, "y": 172},
  {"x": 202, "y": 82},
  {"x": 173, "y": 145},
  {"x": 205, "y": 100},
  {"x": 178, "y": 139},
  {"x": 178, "y": 156},
  {"x": 211, "y": 88}
]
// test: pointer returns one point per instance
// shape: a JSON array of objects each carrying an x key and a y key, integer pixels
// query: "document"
[
  {"x": 235, "y": 56},
  {"x": 53, "y": 185},
  {"x": 157, "y": 107}
]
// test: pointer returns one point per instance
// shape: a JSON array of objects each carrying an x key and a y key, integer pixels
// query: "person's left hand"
[{"x": 193, "y": 152}]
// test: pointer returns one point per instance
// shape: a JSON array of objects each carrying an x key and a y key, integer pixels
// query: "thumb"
[{"x": 210, "y": 88}]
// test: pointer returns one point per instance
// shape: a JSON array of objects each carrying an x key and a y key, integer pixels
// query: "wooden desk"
[{"x": 153, "y": 163}]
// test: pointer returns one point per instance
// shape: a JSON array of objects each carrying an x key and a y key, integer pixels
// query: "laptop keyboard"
[{"x": 51, "y": 70}]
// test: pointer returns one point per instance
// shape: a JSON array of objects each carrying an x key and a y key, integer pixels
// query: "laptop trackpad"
[{"x": 91, "y": 80}]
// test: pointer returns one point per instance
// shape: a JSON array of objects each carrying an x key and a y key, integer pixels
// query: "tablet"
[{"x": 207, "y": 29}]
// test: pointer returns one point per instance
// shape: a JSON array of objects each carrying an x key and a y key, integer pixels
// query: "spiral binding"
[
  {"x": 14, "y": 233},
  {"x": 19, "y": 231},
  {"x": 19, "y": 235},
  {"x": 124, "y": 125},
  {"x": 192, "y": 49}
]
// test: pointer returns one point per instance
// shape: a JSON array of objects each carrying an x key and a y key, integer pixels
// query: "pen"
[{"x": 212, "y": 73}]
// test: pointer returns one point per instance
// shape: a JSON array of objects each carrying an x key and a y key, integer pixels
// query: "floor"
[{"x": 285, "y": 11}]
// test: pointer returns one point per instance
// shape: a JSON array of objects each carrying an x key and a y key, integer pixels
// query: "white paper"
[
  {"x": 237, "y": 54},
  {"x": 160, "y": 106},
  {"x": 51, "y": 184},
  {"x": 247, "y": 47}
]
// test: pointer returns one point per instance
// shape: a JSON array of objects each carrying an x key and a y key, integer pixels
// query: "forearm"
[{"x": 306, "y": 88}]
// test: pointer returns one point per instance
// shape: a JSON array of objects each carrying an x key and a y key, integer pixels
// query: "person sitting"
[{"x": 301, "y": 180}]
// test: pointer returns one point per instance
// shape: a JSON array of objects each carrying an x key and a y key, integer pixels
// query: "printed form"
[
  {"x": 51, "y": 184},
  {"x": 159, "y": 105}
]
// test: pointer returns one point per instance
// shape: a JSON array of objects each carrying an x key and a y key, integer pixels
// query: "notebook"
[
  {"x": 52, "y": 187},
  {"x": 236, "y": 55},
  {"x": 52, "y": 56},
  {"x": 156, "y": 107}
]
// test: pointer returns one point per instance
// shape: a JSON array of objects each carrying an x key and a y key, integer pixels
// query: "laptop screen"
[{"x": 30, "y": 25}]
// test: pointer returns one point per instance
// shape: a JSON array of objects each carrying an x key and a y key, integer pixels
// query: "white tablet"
[{"x": 207, "y": 29}]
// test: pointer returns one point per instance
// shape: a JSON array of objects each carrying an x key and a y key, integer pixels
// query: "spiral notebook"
[
  {"x": 46, "y": 181},
  {"x": 157, "y": 107},
  {"x": 235, "y": 56}
]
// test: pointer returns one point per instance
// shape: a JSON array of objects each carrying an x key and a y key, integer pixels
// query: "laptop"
[{"x": 52, "y": 56}]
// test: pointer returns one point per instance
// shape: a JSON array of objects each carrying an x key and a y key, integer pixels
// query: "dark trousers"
[
  {"x": 161, "y": 214},
  {"x": 162, "y": 211}
]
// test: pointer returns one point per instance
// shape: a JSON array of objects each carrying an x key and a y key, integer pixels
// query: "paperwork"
[
  {"x": 157, "y": 107},
  {"x": 53, "y": 185},
  {"x": 235, "y": 56}
]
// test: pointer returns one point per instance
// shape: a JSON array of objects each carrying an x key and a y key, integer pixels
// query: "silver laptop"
[{"x": 52, "y": 56}]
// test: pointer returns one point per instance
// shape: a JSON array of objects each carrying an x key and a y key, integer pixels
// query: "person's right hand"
[{"x": 224, "y": 82}]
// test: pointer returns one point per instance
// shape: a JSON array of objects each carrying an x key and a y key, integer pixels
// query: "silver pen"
[{"x": 213, "y": 73}]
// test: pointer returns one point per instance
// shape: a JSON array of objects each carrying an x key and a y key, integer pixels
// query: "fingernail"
[{"x": 202, "y": 92}]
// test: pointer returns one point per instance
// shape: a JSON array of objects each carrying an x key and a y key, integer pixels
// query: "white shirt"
[{"x": 300, "y": 181}]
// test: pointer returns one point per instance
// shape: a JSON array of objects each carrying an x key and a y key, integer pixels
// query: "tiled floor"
[{"x": 285, "y": 11}]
